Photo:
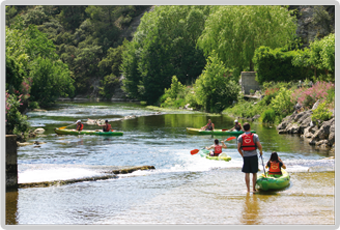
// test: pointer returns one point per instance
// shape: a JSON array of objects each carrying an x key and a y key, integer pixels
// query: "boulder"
[
  {"x": 316, "y": 104},
  {"x": 324, "y": 131},
  {"x": 24, "y": 143},
  {"x": 39, "y": 131}
]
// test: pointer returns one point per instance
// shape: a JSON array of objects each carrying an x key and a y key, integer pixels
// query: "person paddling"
[
  {"x": 275, "y": 164},
  {"x": 80, "y": 126},
  {"x": 106, "y": 126},
  {"x": 210, "y": 126},
  {"x": 237, "y": 127},
  {"x": 247, "y": 145},
  {"x": 217, "y": 148}
]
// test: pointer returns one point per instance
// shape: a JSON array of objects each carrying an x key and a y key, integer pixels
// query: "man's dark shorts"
[{"x": 250, "y": 164}]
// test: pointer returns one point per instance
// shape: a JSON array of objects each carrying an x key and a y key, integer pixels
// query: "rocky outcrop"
[{"x": 322, "y": 135}]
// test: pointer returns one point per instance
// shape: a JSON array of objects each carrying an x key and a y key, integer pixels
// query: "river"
[{"x": 182, "y": 189}]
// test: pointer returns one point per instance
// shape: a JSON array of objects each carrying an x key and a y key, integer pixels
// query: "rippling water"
[{"x": 183, "y": 189}]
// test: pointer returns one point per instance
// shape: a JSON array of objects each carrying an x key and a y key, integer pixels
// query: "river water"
[{"x": 183, "y": 188}]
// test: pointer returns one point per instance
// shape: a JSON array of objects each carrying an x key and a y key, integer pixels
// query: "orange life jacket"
[
  {"x": 218, "y": 149},
  {"x": 107, "y": 128},
  {"x": 274, "y": 168},
  {"x": 80, "y": 127},
  {"x": 248, "y": 142}
]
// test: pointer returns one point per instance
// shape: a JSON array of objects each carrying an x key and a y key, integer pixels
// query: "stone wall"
[
  {"x": 248, "y": 82},
  {"x": 11, "y": 162}
]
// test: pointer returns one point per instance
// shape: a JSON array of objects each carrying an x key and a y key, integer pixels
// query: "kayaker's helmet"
[
  {"x": 106, "y": 121},
  {"x": 236, "y": 121},
  {"x": 79, "y": 121}
]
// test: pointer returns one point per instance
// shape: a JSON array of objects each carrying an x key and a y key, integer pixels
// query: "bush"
[
  {"x": 321, "y": 114},
  {"x": 268, "y": 116},
  {"x": 282, "y": 103},
  {"x": 276, "y": 65},
  {"x": 109, "y": 84},
  {"x": 308, "y": 96}
]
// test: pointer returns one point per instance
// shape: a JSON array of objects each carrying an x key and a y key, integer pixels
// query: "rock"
[
  {"x": 316, "y": 104},
  {"x": 293, "y": 128},
  {"x": 323, "y": 142},
  {"x": 39, "y": 131},
  {"x": 39, "y": 143},
  {"x": 297, "y": 106},
  {"x": 24, "y": 143},
  {"x": 39, "y": 110},
  {"x": 324, "y": 132},
  {"x": 257, "y": 116}
]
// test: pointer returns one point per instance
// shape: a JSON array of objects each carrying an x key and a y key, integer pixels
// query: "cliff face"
[{"x": 314, "y": 21}]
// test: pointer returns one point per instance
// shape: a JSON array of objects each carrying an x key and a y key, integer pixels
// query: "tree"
[
  {"x": 214, "y": 90},
  {"x": 164, "y": 45},
  {"x": 234, "y": 32}
]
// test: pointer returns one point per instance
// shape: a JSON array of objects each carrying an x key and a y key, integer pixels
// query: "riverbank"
[{"x": 321, "y": 135}]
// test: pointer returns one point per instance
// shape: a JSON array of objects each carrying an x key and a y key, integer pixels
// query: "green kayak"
[
  {"x": 271, "y": 182},
  {"x": 215, "y": 132},
  {"x": 222, "y": 157},
  {"x": 86, "y": 132}
]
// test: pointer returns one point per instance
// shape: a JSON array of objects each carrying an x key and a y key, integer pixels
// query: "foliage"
[
  {"x": 16, "y": 123},
  {"x": 51, "y": 80},
  {"x": 174, "y": 96},
  {"x": 320, "y": 56},
  {"x": 276, "y": 65},
  {"x": 268, "y": 116},
  {"x": 321, "y": 113},
  {"x": 235, "y": 32},
  {"x": 164, "y": 45},
  {"x": 109, "y": 83},
  {"x": 308, "y": 96},
  {"x": 214, "y": 91},
  {"x": 282, "y": 104}
]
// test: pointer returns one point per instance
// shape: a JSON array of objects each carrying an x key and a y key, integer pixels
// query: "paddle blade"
[
  {"x": 231, "y": 138},
  {"x": 193, "y": 152},
  {"x": 63, "y": 127}
]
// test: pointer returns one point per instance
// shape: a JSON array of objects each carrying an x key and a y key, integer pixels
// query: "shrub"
[
  {"x": 109, "y": 84},
  {"x": 308, "y": 96},
  {"x": 282, "y": 102},
  {"x": 268, "y": 116},
  {"x": 276, "y": 65},
  {"x": 321, "y": 114}
]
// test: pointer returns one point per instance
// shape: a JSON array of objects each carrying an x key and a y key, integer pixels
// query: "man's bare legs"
[{"x": 247, "y": 178}]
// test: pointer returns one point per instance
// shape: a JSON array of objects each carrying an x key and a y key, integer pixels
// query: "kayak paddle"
[
  {"x": 64, "y": 127},
  {"x": 194, "y": 151},
  {"x": 264, "y": 170}
]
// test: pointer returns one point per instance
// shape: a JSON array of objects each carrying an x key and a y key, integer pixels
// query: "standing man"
[{"x": 247, "y": 145}]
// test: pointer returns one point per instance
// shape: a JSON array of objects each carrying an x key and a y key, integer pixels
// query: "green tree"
[
  {"x": 235, "y": 32},
  {"x": 164, "y": 45},
  {"x": 214, "y": 89}
]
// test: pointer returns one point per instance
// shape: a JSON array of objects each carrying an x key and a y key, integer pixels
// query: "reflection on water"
[{"x": 183, "y": 189}]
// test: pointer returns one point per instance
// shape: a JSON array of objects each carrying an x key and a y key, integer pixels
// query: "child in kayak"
[
  {"x": 217, "y": 148},
  {"x": 275, "y": 164}
]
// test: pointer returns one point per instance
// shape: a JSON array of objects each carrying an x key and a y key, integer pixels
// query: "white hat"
[
  {"x": 78, "y": 121},
  {"x": 236, "y": 121}
]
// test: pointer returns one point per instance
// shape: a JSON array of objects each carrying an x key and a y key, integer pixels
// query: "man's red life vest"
[
  {"x": 275, "y": 168},
  {"x": 248, "y": 142},
  {"x": 81, "y": 127},
  {"x": 218, "y": 149},
  {"x": 108, "y": 128}
]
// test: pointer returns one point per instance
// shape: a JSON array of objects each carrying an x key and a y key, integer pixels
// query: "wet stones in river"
[{"x": 39, "y": 131}]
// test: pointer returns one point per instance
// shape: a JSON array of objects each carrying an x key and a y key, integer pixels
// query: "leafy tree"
[
  {"x": 214, "y": 90},
  {"x": 235, "y": 32},
  {"x": 51, "y": 80},
  {"x": 164, "y": 45}
]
